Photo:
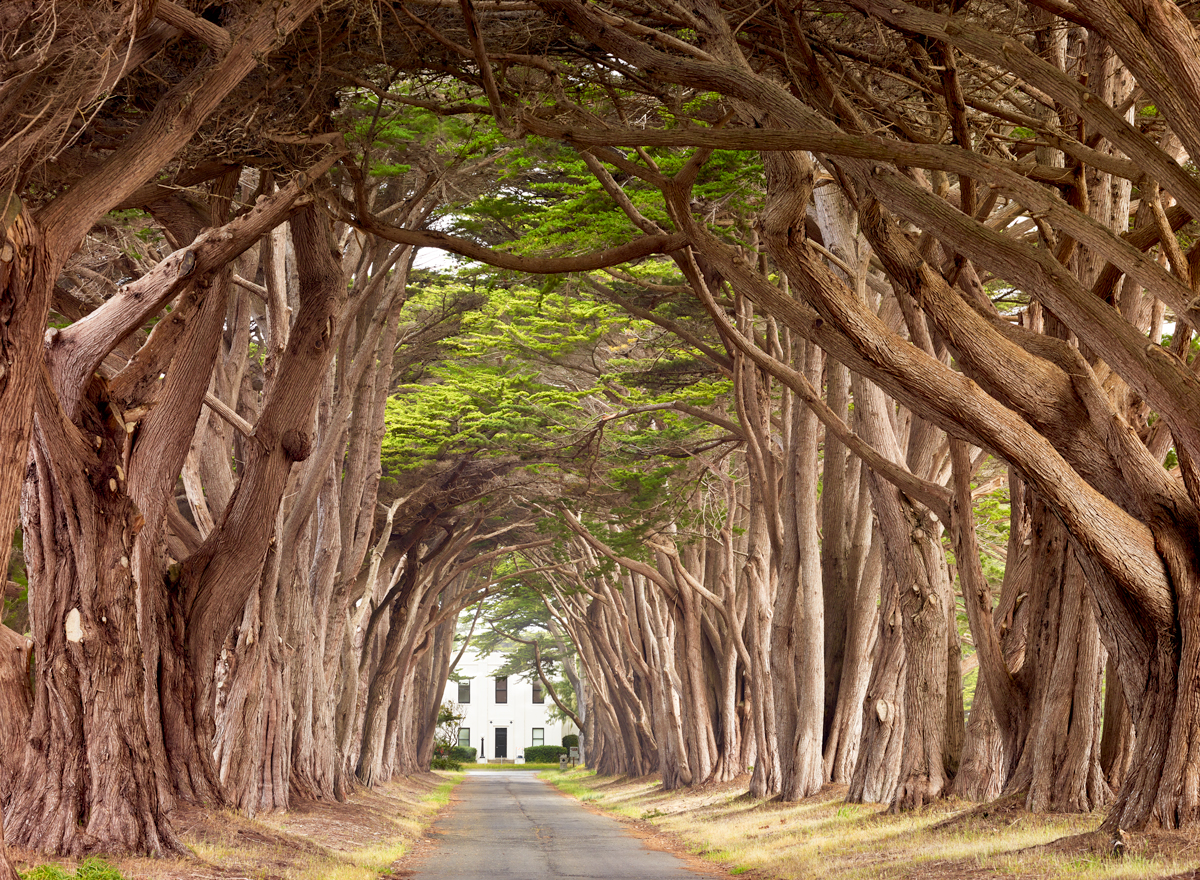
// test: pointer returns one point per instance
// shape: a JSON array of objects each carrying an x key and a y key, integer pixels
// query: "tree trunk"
[
  {"x": 1117, "y": 742},
  {"x": 877, "y": 772},
  {"x": 981, "y": 773},
  {"x": 1059, "y": 766},
  {"x": 15, "y": 704},
  {"x": 7, "y": 871},
  {"x": 88, "y": 783},
  {"x": 253, "y": 740},
  {"x": 800, "y": 658},
  {"x": 845, "y": 736},
  {"x": 26, "y": 287}
]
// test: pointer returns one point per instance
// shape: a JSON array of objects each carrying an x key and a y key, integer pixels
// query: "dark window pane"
[
  {"x": 464, "y": 691},
  {"x": 502, "y": 689},
  {"x": 464, "y": 737},
  {"x": 539, "y": 696}
]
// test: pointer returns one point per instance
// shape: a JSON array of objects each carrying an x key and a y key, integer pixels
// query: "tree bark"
[
  {"x": 88, "y": 737},
  {"x": 7, "y": 871},
  {"x": 16, "y": 702},
  {"x": 1117, "y": 742}
]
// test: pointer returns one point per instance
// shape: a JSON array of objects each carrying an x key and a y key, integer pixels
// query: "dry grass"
[
  {"x": 360, "y": 840},
  {"x": 824, "y": 837}
]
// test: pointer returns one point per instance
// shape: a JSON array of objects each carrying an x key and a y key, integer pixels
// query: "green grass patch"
[{"x": 89, "y": 869}]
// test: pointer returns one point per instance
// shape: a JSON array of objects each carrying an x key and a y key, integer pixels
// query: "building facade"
[{"x": 503, "y": 715}]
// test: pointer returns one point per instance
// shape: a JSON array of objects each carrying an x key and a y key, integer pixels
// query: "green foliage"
[
  {"x": 89, "y": 869},
  {"x": 543, "y": 754},
  {"x": 502, "y": 388},
  {"x": 464, "y": 754},
  {"x": 445, "y": 739},
  {"x": 570, "y": 740}
]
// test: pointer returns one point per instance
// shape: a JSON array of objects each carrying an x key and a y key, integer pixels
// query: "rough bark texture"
[
  {"x": 16, "y": 702},
  {"x": 88, "y": 737},
  {"x": 1059, "y": 767},
  {"x": 876, "y": 775}
]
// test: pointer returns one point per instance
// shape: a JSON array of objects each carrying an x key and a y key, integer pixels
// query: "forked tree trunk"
[
  {"x": 88, "y": 737},
  {"x": 995, "y": 736}
]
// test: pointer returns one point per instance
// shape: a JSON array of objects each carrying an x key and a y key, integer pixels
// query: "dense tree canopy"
[{"x": 755, "y": 307}]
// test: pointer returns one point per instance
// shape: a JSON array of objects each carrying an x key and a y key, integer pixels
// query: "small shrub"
[
  {"x": 571, "y": 740},
  {"x": 89, "y": 869},
  {"x": 464, "y": 754},
  {"x": 445, "y": 762},
  {"x": 97, "y": 869},
  {"x": 46, "y": 872},
  {"x": 543, "y": 754}
]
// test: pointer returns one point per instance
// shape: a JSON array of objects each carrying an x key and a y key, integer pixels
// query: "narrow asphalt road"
[{"x": 510, "y": 824}]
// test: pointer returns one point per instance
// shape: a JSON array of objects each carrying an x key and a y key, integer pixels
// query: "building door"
[{"x": 501, "y": 742}]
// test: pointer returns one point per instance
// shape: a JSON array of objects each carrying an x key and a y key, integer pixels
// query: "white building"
[{"x": 503, "y": 715}]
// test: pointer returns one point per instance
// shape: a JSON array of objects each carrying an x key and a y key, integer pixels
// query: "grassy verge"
[
  {"x": 824, "y": 837},
  {"x": 363, "y": 839}
]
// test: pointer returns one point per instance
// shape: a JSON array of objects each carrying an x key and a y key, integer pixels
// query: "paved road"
[{"x": 510, "y": 824}]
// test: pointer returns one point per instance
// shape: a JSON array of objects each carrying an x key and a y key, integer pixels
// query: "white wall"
[{"x": 519, "y": 716}]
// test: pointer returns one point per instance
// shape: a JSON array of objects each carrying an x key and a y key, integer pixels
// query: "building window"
[
  {"x": 464, "y": 737},
  {"x": 539, "y": 695},
  {"x": 464, "y": 691},
  {"x": 502, "y": 689},
  {"x": 539, "y": 736}
]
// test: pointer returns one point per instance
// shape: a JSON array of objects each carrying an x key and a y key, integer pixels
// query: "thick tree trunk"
[
  {"x": 88, "y": 783},
  {"x": 924, "y": 613},
  {"x": 221, "y": 576},
  {"x": 981, "y": 773},
  {"x": 25, "y": 292},
  {"x": 1059, "y": 767},
  {"x": 253, "y": 740}
]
